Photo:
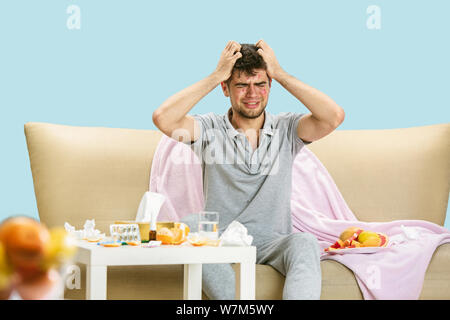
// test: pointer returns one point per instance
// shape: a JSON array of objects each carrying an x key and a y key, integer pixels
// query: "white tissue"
[
  {"x": 235, "y": 235},
  {"x": 88, "y": 231},
  {"x": 409, "y": 233},
  {"x": 396, "y": 239},
  {"x": 149, "y": 207}
]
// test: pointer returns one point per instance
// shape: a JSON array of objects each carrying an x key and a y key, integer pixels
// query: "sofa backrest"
[
  {"x": 82, "y": 173},
  {"x": 392, "y": 174}
]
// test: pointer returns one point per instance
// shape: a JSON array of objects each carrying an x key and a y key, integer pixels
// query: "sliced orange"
[
  {"x": 197, "y": 241},
  {"x": 186, "y": 228},
  {"x": 94, "y": 239},
  {"x": 165, "y": 239},
  {"x": 384, "y": 239},
  {"x": 165, "y": 235},
  {"x": 173, "y": 236},
  {"x": 111, "y": 244},
  {"x": 178, "y": 237},
  {"x": 213, "y": 243},
  {"x": 133, "y": 243}
]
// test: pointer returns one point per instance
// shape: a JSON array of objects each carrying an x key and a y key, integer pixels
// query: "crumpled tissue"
[
  {"x": 88, "y": 232},
  {"x": 235, "y": 235},
  {"x": 409, "y": 233},
  {"x": 149, "y": 207}
]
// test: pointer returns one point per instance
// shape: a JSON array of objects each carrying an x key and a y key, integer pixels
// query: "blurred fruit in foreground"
[
  {"x": 60, "y": 248},
  {"x": 40, "y": 286},
  {"x": 24, "y": 240},
  {"x": 29, "y": 257},
  {"x": 5, "y": 274}
]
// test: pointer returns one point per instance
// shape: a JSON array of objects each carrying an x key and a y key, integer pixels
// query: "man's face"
[{"x": 248, "y": 94}]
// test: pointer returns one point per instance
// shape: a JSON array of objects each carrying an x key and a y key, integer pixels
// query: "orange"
[
  {"x": 24, "y": 240},
  {"x": 111, "y": 244},
  {"x": 197, "y": 241},
  {"x": 23, "y": 233},
  {"x": 165, "y": 239},
  {"x": 171, "y": 236},
  {"x": 178, "y": 236},
  {"x": 165, "y": 235},
  {"x": 133, "y": 243},
  {"x": 356, "y": 244},
  {"x": 186, "y": 228}
]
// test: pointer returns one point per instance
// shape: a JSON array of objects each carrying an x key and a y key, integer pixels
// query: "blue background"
[{"x": 129, "y": 56}]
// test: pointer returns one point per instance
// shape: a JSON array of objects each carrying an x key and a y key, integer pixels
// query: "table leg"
[
  {"x": 96, "y": 282},
  {"x": 245, "y": 281},
  {"x": 192, "y": 289}
]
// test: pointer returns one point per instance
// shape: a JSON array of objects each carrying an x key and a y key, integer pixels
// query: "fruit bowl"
[
  {"x": 356, "y": 250},
  {"x": 355, "y": 237}
]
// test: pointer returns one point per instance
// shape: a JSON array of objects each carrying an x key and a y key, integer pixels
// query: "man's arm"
[
  {"x": 325, "y": 114},
  {"x": 172, "y": 114}
]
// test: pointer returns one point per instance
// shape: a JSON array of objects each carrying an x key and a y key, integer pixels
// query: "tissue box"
[{"x": 144, "y": 227}]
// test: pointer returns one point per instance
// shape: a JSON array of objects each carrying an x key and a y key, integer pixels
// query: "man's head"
[{"x": 249, "y": 86}]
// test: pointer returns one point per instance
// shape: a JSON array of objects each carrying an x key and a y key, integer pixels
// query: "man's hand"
[
  {"x": 172, "y": 115},
  {"x": 227, "y": 60},
  {"x": 273, "y": 67}
]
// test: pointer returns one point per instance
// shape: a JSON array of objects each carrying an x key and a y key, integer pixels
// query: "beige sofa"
[{"x": 82, "y": 173}]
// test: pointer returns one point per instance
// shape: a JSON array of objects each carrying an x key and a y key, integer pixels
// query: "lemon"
[{"x": 363, "y": 236}]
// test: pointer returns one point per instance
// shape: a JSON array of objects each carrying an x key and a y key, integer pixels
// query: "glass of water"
[{"x": 208, "y": 224}]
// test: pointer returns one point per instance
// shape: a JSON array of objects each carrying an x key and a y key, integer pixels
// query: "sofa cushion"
[{"x": 436, "y": 284}]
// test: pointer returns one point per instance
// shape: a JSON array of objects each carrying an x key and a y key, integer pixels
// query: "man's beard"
[{"x": 250, "y": 115}]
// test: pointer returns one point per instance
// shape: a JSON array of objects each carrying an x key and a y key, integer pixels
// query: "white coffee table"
[{"x": 98, "y": 258}]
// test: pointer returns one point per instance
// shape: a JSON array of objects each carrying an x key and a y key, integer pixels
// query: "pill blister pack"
[{"x": 125, "y": 232}]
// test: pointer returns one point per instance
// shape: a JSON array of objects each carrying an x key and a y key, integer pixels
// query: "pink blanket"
[
  {"x": 177, "y": 174},
  {"x": 393, "y": 272}
]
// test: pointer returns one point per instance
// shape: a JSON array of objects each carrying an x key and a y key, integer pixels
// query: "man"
[{"x": 253, "y": 188}]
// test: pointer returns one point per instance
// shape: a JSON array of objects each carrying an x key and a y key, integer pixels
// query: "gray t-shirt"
[{"x": 252, "y": 187}]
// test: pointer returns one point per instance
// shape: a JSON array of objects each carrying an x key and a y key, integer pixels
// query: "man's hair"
[{"x": 249, "y": 61}]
